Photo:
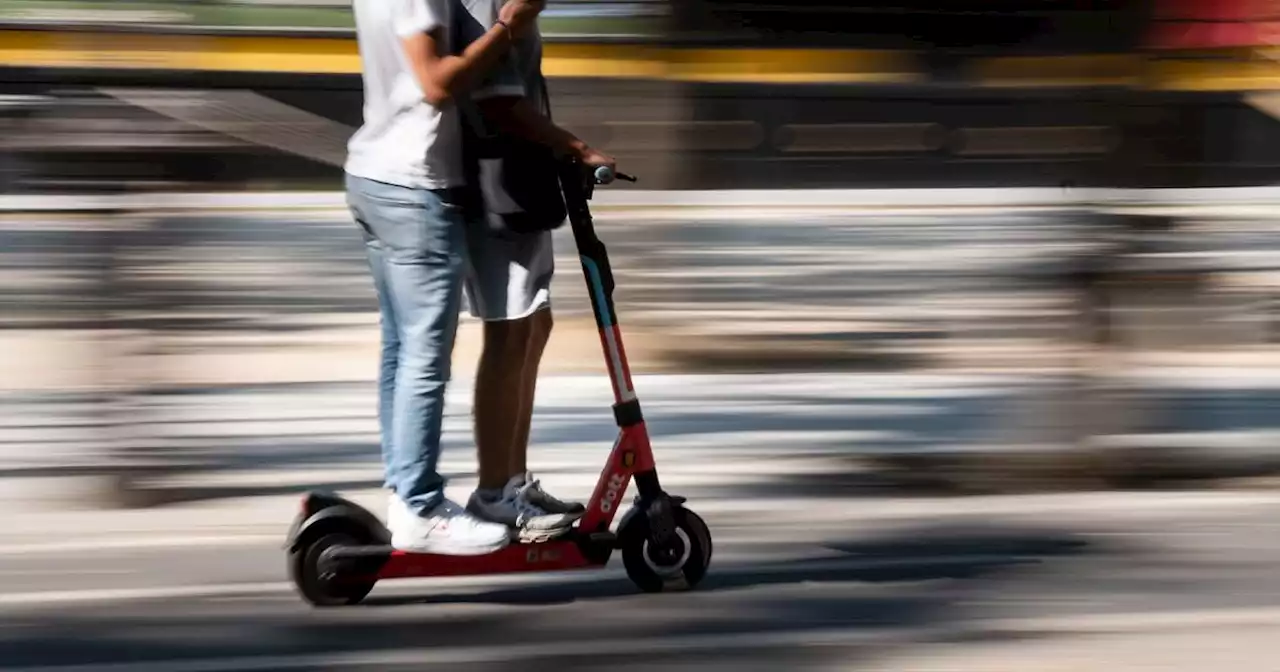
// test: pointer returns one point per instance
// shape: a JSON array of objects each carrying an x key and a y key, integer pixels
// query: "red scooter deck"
[{"x": 539, "y": 557}]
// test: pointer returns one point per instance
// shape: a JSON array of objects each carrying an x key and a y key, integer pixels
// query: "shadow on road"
[
  {"x": 915, "y": 581},
  {"x": 928, "y": 555}
]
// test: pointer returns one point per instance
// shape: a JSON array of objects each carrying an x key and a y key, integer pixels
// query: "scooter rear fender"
[{"x": 321, "y": 511}]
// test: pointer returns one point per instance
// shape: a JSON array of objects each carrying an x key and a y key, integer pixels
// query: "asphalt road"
[{"x": 1110, "y": 582}]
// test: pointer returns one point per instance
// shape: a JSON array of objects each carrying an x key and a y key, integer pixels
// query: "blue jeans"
[{"x": 416, "y": 245}]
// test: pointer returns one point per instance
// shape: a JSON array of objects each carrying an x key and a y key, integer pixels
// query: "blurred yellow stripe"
[
  {"x": 1224, "y": 70},
  {"x": 604, "y": 60},
  {"x": 1058, "y": 71},
  {"x": 1247, "y": 72},
  {"x": 58, "y": 49},
  {"x": 793, "y": 66},
  {"x": 1257, "y": 70},
  {"x": 265, "y": 54}
]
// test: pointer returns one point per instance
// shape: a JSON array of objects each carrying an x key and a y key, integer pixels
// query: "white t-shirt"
[{"x": 404, "y": 140}]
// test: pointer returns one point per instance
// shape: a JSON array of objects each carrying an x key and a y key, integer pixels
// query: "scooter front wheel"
[
  {"x": 682, "y": 565},
  {"x": 314, "y": 584}
]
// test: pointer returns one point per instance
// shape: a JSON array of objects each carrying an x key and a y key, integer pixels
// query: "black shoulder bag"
[{"x": 517, "y": 180}]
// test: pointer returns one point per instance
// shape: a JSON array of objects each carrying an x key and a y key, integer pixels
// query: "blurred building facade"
[{"x": 745, "y": 94}]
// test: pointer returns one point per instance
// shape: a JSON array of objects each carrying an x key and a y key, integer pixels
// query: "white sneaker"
[
  {"x": 519, "y": 508},
  {"x": 447, "y": 530}
]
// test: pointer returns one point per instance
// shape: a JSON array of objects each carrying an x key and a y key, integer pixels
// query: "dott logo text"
[{"x": 612, "y": 492}]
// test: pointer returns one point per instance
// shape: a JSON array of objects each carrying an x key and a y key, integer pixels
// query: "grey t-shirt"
[{"x": 519, "y": 72}]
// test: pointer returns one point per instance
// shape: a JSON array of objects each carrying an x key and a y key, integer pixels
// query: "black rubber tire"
[
  {"x": 304, "y": 571},
  {"x": 634, "y": 536}
]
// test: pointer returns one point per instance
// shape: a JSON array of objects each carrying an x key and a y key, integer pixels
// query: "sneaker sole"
[
  {"x": 537, "y": 536},
  {"x": 562, "y": 519},
  {"x": 547, "y": 532}
]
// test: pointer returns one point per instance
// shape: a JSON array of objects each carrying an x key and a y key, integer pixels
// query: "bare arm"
[
  {"x": 517, "y": 117},
  {"x": 442, "y": 76}
]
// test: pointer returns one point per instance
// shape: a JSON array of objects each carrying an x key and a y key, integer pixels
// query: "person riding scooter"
[
  {"x": 509, "y": 277},
  {"x": 406, "y": 189}
]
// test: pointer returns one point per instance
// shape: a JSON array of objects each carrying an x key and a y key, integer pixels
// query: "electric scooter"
[{"x": 338, "y": 550}]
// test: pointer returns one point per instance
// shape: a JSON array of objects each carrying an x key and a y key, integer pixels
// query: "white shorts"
[{"x": 507, "y": 278}]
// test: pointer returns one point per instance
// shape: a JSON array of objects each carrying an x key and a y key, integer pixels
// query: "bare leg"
[
  {"x": 505, "y": 390},
  {"x": 540, "y": 324},
  {"x": 497, "y": 398}
]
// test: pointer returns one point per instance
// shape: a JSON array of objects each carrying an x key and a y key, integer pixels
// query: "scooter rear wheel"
[
  {"x": 315, "y": 586},
  {"x": 656, "y": 572}
]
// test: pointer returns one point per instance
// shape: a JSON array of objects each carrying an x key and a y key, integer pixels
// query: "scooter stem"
[{"x": 578, "y": 185}]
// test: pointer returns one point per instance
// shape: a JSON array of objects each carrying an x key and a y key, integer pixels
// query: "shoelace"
[
  {"x": 535, "y": 486},
  {"x": 522, "y": 503}
]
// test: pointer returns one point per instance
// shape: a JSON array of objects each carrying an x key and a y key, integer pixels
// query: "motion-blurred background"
[{"x": 879, "y": 251}]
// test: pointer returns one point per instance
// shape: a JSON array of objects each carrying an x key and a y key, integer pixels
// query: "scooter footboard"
[{"x": 516, "y": 558}]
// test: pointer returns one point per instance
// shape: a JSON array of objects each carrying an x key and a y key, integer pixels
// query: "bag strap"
[
  {"x": 546, "y": 95},
  {"x": 472, "y": 115},
  {"x": 471, "y": 110}
]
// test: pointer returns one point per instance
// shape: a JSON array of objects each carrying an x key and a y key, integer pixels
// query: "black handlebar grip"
[{"x": 606, "y": 175}]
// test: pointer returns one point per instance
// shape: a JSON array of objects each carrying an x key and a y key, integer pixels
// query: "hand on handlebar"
[
  {"x": 593, "y": 159},
  {"x": 601, "y": 167},
  {"x": 605, "y": 175}
]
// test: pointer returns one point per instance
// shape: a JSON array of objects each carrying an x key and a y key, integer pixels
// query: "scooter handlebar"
[{"x": 606, "y": 175}]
